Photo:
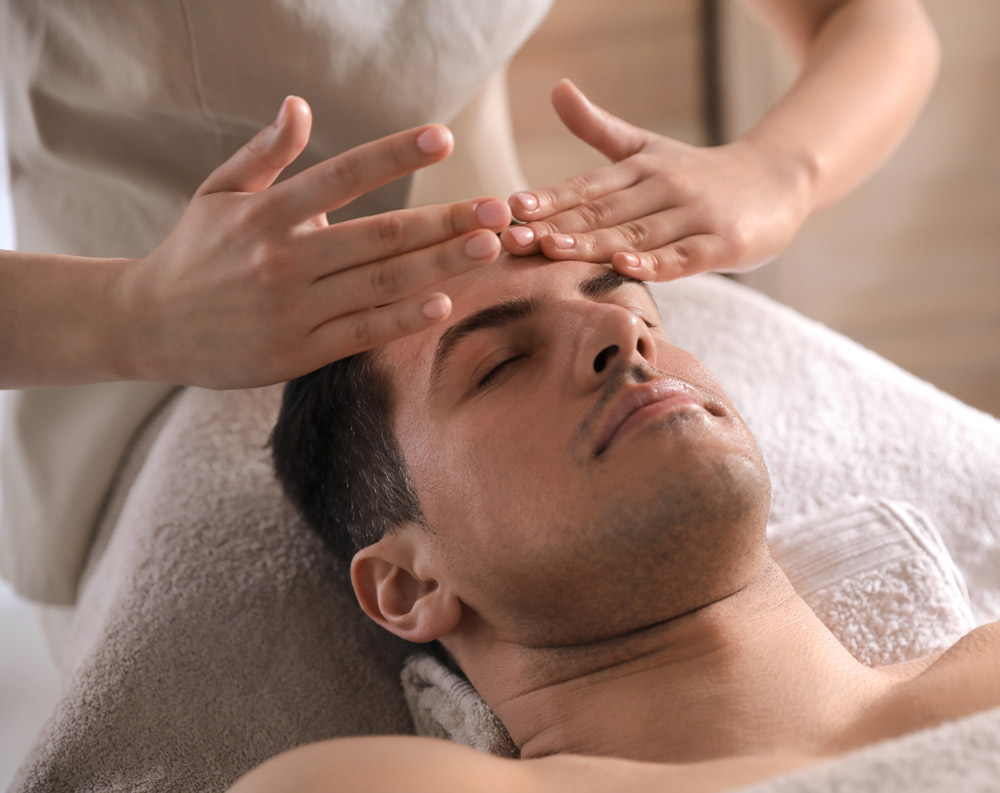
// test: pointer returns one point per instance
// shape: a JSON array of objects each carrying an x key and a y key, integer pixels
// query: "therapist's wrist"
[
  {"x": 121, "y": 340},
  {"x": 797, "y": 167}
]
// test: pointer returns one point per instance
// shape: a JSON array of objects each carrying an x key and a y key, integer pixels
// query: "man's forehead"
[{"x": 507, "y": 279}]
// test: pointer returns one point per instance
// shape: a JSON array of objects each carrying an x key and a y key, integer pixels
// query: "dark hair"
[{"x": 336, "y": 455}]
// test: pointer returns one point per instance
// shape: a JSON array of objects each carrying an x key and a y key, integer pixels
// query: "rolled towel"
[{"x": 879, "y": 577}]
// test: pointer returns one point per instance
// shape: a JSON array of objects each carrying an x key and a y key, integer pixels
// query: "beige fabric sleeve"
[{"x": 117, "y": 109}]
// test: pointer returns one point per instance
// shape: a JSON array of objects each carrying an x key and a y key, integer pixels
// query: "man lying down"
[{"x": 573, "y": 508}]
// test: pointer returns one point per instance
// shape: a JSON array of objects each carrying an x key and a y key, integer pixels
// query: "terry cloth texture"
[
  {"x": 214, "y": 631},
  {"x": 876, "y": 573}
]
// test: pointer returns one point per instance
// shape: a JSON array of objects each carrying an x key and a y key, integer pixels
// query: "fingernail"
[
  {"x": 435, "y": 308},
  {"x": 528, "y": 202},
  {"x": 480, "y": 246},
  {"x": 522, "y": 235},
  {"x": 631, "y": 261},
  {"x": 282, "y": 112},
  {"x": 491, "y": 214},
  {"x": 433, "y": 139},
  {"x": 563, "y": 241}
]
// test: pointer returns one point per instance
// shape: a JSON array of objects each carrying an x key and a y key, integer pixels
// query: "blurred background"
[
  {"x": 29, "y": 685},
  {"x": 908, "y": 265}
]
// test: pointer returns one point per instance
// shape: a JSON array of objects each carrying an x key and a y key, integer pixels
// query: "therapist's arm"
[
  {"x": 665, "y": 209},
  {"x": 253, "y": 286}
]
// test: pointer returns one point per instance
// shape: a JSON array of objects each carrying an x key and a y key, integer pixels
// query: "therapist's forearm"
[
  {"x": 868, "y": 68},
  {"x": 60, "y": 320}
]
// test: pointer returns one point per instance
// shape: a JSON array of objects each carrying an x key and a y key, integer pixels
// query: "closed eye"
[
  {"x": 641, "y": 314},
  {"x": 492, "y": 374}
]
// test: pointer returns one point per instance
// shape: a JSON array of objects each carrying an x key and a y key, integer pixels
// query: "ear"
[{"x": 413, "y": 605}]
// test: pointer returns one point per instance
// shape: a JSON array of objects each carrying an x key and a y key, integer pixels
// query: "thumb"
[
  {"x": 611, "y": 136},
  {"x": 258, "y": 163}
]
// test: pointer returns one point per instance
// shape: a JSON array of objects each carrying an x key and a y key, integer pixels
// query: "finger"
[
  {"x": 540, "y": 203},
  {"x": 643, "y": 233},
  {"x": 362, "y": 240},
  {"x": 337, "y": 181},
  {"x": 641, "y": 201},
  {"x": 613, "y": 137},
  {"x": 257, "y": 164},
  {"x": 354, "y": 333},
  {"x": 387, "y": 281},
  {"x": 608, "y": 210},
  {"x": 699, "y": 253}
]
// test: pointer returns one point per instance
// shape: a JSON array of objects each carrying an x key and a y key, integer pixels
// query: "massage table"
[{"x": 212, "y": 630}]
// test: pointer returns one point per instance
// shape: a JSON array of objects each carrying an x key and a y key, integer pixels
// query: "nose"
[{"x": 612, "y": 338}]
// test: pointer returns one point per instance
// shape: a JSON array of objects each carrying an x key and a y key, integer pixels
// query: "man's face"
[{"x": 580, "y": 476}]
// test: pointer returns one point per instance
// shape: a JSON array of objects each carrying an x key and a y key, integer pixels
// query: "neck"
[{"x": 754, "y": 673}]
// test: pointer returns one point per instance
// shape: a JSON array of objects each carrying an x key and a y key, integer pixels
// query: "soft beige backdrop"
[{"x": 909, "y": 265}]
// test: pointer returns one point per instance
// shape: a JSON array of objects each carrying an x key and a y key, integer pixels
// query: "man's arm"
[
  {"x": 429, "y": 765},
  {"x": 389, "y": 763}
]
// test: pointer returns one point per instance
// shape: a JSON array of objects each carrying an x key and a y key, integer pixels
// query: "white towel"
[
  {"x": 875, "y": 572},
  {"x": 835, "y": 419},
  {"x": 878, "y": 575}
]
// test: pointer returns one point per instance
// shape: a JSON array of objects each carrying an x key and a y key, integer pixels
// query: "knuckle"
[
  {"x": 345, "y": 171},
  {"x": 682, "y": 255},
  {"x": 263, "y": 262},
  {"x": 399, "y": 322},
  {"x": 595, "y": 214},
  {"x": 546, "y": 197},
  {"x": 257, "y": 145},
  {"x": 400, "y": 152},
  {"x": 454, "y": 220},
  {"x": 449, "y": 259},
  {"x": 389, "y": 233},
  {"x": 362, "y": 332},
  {"x": 253, "y": 214},
  {"x": 680, "y": 184},
  {"x": 262, "y": 147},
  {"x": 671, "y": 262},
  {"x": 543, "y": 227},
  {"x": 386, "y": 279},
  {"x": 634, "y": 234},
  {"x": 580, "y": 185},
  {"x": 637, "y": 166},
  {"x": 738, "y": 237}
]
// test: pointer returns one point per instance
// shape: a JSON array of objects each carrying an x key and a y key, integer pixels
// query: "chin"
[{"x": 688, "y": 536}]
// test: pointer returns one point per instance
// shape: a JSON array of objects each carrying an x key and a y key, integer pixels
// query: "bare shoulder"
[
  {"x": 579, "y": 774},
  {"x": 360, "y": 765},
  {"x": 963, "y": 680},
  {"x": 976, "y": 652},
  {"x": 429, "y": 765}
]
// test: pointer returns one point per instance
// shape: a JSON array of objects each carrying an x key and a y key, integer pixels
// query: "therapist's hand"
[
  {"x": 663, "y": 209},
  {"x": 254, "y": 286}
]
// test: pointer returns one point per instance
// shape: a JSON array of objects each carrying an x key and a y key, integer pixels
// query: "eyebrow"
[{"x": 507, "y": 312}]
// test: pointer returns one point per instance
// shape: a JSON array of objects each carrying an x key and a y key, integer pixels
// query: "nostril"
[{"x": 601, "y": 361}]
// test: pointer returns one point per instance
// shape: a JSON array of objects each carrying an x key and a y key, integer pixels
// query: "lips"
[{"x": 636, "y": 403}]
